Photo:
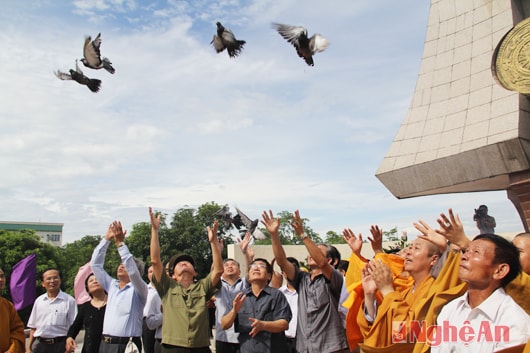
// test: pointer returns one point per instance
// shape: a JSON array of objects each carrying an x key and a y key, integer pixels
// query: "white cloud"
[{"x": 178, "y": 124}]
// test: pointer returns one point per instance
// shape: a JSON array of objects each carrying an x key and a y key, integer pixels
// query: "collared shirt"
[
  {"x": 319, "y": 327},
  {"x": 153, "y": 311},
  {"x": 124, "y": 313},
  {"x": 223, "y": 301},
  {"x": 52, "y": 317},
  {"x": 269, "y": 305},
  {"x": 461, "y": 328},
  {"x": 185, "y": 322},
  {"x": 292, "y": 299}
]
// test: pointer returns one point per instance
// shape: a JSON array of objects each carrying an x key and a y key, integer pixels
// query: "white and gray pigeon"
[
  {"x": 305, "y": 46},
  {"x": 92, "y": 55},
  {"x": 225, "y": 39},
  {"x": 93, "y": 84}
]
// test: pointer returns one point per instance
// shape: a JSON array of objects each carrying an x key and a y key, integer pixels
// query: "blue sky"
[{"x": 178, "y": 124}]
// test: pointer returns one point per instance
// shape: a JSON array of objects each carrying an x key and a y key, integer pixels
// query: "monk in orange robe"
[{"x": 400, "y": 322}]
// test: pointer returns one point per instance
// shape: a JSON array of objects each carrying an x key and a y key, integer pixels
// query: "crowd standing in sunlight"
[{"x": 445, "y": 292}]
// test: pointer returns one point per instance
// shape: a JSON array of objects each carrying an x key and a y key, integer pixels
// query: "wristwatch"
[{"x": 303, "y": 236}]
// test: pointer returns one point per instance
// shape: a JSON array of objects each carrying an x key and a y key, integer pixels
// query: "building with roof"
[{"x": 51, "y": 233}]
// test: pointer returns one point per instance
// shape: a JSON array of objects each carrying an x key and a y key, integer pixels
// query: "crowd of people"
[{"x": 445, "y": 292}]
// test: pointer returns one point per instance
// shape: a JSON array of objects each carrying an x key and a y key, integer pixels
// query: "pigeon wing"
[
  {"x": 259, "y": 235},
  {"x": 249, "y": 224},
  {"x": 91, "y": 51},
  {"x": 317, "y": 43},
  {"x": 217, "y": 43},
  {"x": 62, "y": 75},
  {"x": 78, "y": 69},
  {"x": 291, "y": 33}
]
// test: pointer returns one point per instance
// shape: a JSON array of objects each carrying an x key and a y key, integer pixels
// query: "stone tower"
[{"x": 468, "y": 125}]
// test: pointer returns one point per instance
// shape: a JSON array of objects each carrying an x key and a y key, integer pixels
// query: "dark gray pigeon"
[
  {"x": 92, "y": 56},
  {"x": 225, "y": 39},
  {"x": 245, "y": 224},
  {"x": 78, "y": 76},
  {"x": 305, "y": 46}
]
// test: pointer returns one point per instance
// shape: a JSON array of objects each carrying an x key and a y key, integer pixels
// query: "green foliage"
[
  {"x": 18, "y": 245},
  {"x": 334, "y": 238}
]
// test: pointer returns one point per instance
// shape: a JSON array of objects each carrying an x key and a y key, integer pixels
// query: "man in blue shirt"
[{"x": 127, "y": 295}]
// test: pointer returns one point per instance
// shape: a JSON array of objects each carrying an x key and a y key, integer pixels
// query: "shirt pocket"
[{"x": 59, "y": 318}]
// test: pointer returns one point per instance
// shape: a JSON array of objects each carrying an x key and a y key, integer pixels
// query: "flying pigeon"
[
  {"x": 78, "y": 76},
  {"x": 226, "y": 39},
  {"x": 225, "y": 215},
  {"x": 251, "y": 226},
  {"x": 305, "y": 47},
  {"x": 92, "y": 55}
]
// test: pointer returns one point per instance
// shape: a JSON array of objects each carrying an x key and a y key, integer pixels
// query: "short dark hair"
[
  {"x": 332, "y": 253},
  {"x": 505, "y": 253},
  {"x": 293, "y": 261},
  {"x": 51, "y": 269}
]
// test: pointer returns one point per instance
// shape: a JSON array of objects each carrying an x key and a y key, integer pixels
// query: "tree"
[
  {"x": 18, "y": 245},
  {"x": 334, "y": 238}
]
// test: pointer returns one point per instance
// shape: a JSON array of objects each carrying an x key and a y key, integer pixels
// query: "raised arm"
[
  {"x": 127, "y": 259},
  {"x": 312, "y": 248},
  {"x": 98, "y": 259},
  {"x": 273, "y": 224},
  {"x": 156, "y": 262},
  {"x": 217, "y": 268}
]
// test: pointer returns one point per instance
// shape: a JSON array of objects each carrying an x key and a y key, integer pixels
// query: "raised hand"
[
  {"x": 297, "y": 224},
  {"x": 431, "y": 235},
  {"x": 355, "y": 243},
  {"x": 116, "y": 232},
  {"x": 377, "y": 239},
  {"x": 272, "y": 224},
  {"x": 382, "y": 275},
  {"x": 244, "y": 243},
  {"x": 212, "y": 232},
  {"x": 155, "y": 220},
  {"x": 452, "y": 229},
  {"x": 369, "y": 285},
  {"x": 238, "y": 301}
]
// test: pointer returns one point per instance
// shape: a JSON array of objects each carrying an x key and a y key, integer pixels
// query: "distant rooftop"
[{"x": 37, "y": 226}]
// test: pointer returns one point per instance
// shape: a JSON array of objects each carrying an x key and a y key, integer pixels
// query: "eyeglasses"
[{"x": 253, "y": 266}]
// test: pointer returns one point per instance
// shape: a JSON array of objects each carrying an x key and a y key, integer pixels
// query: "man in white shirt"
[
  {"x": 485, "y": 318},
  {"x": 52, "y": 314}
]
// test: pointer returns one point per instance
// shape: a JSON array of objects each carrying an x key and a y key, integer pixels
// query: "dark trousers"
[
  {"x": 39, "y": 347},
  {"x": 226, "y": 347},
  {"x": 167, "y": 348},
  {"x": 291, "y": 345},
  {"x": 148, "y": 338},
  {"x": 105, "y": 347}
]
